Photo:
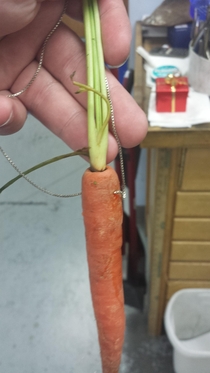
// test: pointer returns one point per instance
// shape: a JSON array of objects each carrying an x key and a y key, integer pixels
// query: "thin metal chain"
[
  {"x": 123, "y": 186},
  {"x": 41, "y": 55},
  {"x": 123, "y": 192},
  {"x": 23, "y": 90},
  {"x": 34, "y": 184}
]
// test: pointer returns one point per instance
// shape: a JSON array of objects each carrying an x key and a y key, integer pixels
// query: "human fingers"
[
  {"x": 14, "y": 56},
  {"x": 20, "y": 48},
  {"x": 131, "y": 122},
  {"x": 116, "y": 29},
  {"x": 61, "y": 113},
  {"x": 66, "y": 117},
  {"x": 15, "y": 16},
  {"x": 63, "y": 65},
  {"x": 12, "y": 114},
  {"x": 52, "y": 104},
  {"x": 66, "y": 54}
]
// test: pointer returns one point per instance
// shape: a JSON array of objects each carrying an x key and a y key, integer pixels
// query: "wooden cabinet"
[
  {"x": 178, "y": 225},
  {"x": 176, "y": 285},
  {"x": 196, "y": 173},
  {"x": 192, "y": 204},
  {"x": 189, "y": 261},
  {"x": 178, "y": 206},
  {"x": 198, "y": 251},
  {"x": 189, "y": 271},
  {"x": 190, "y": 229}
]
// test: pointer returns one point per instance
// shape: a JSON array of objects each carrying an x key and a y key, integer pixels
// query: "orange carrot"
[{"x": 102, "y": 212}]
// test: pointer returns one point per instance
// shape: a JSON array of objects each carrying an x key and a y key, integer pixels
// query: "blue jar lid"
[{"x": 164, "y": 71}]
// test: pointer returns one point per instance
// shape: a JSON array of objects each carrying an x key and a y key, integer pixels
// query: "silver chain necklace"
[
  {"x": 123, "y": 192},
  {"x": 42, "y": 54}
]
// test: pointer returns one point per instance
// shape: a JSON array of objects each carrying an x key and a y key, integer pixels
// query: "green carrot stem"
[
  {"x": 82, "y": 152},
  {"x": 86, "y": 88},
  {"x": 97, "y": 107}
]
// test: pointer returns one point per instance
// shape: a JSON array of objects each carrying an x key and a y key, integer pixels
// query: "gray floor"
[{"x": 46, "y": 317}]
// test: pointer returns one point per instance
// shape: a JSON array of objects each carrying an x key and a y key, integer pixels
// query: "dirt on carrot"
[{"x": 102, "y": 212}]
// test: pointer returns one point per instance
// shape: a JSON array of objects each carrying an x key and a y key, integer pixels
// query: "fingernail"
[
  {"x": 117, "y": 66},
  {"x": 7, "y": 121}
]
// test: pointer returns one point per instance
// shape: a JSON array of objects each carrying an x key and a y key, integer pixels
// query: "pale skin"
[{"x": 24, "y": 24}]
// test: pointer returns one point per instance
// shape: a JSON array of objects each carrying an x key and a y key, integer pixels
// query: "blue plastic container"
[
  {"x": 179, "y": 36},
  {"x": 201, "y": 6}
]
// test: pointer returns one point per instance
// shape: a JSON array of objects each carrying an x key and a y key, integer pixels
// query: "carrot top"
[
  {"x": 98, "y": 105},
  {"x": 98, "y": 108}
]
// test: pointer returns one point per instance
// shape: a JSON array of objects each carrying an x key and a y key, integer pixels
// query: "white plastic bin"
[{"x": 187, "y": 324}]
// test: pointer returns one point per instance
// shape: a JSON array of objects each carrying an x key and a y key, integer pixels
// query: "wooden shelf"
[
  {"x": 177, "y": 230},
  {"x": 158, "y": 137}
]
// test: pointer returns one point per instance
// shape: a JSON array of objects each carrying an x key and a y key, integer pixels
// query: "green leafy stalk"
[
  {"x": 81, "y": 152},
  {"x": 97, "y": 106}
]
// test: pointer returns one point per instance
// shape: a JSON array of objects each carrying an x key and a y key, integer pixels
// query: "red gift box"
[{"x": 171, "y": 94}]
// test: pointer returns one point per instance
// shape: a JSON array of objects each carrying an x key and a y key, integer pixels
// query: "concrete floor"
[{"x": 46, "y": 317}]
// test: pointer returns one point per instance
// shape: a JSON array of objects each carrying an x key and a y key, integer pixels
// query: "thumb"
[
  {"x": 12, "y": 114},
  {"x": 16, "y": 15}
]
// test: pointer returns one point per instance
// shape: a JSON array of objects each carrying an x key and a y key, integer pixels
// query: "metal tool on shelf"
[{"x": 201, "y": 36}]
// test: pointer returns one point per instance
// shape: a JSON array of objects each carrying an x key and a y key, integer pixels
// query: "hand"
[{"x": 24, "y": 24}]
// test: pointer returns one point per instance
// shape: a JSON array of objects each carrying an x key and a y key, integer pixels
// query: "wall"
[{"x": 138, "y": 9}]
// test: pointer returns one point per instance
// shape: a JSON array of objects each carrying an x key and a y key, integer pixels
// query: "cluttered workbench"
[{"x": 177, "y": 210}]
